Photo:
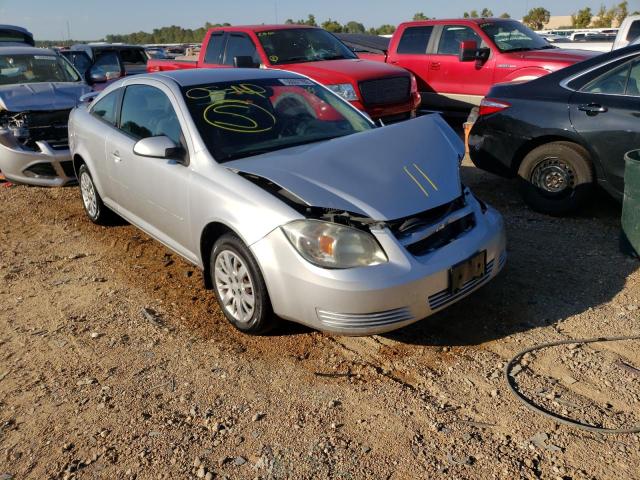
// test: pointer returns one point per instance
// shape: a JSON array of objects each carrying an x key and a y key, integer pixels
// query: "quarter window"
[
  {"x": 147, "y": 112},
  {"x": 214, "y": 49},
  {"x": 451, "y": 37},
  {"x": 623, "y": 80},
  {"x": 240, "y": 46},
  {"x": 107, "y": 107},
  {"x": 415, "y": 40}
]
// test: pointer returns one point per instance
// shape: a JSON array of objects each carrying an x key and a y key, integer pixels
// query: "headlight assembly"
[
  {"x": 345, "y": 90},
  {"x": 330, "y": 245}
]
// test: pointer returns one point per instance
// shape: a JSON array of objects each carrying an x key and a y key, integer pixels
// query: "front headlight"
[
  {"x": 330, "y": 245},
  {"x": 345, "y": 90}
]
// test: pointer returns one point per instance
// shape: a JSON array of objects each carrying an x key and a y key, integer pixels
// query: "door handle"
[
  {"x": 116, "y": 156},
  {"x": 593, "y": 109},
  {"x": 435, "y": 65}
]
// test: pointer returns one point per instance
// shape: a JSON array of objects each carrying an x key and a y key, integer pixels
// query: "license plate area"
[{"x": 464, "y": 272}]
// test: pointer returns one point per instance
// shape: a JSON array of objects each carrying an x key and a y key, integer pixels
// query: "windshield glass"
[
  {"x": 512, "y": 36},
  {"x": 35, "y": 68},
  {"x": 241, "y": 119},
  {"x": 298, "y": 45}
]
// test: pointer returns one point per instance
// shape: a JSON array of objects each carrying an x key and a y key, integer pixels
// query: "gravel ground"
[{"x": 92, "y": 385}]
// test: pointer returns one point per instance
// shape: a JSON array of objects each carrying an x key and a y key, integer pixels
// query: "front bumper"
[
  {"x": 372, "y": 300},
  {"x": 391, "y": 113},
  {"x": 48, "y": 167}
]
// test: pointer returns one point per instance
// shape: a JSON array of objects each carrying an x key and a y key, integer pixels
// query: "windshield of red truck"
[
  {"x": 298, "y": 45},
  {"x": 512, "y": 36},
  {"x": 251, "y": 117}
]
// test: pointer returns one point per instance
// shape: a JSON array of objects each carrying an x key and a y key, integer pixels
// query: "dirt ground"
[{"x": 91, "y": 387}]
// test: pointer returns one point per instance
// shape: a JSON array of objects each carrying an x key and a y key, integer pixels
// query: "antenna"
[{"x": 68, "y": 31}]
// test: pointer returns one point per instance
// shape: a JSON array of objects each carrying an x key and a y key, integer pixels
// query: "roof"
[
  {"x": 201, "y": 76},
  {"x": 458, "y": 20},
  {"x": 261, "y": 28},
  {"x": 25, "y": 50}
]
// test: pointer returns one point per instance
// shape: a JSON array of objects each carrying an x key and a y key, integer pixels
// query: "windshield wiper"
[
  {"x": 519, "y": 49},
  {"x": 334, "y": 57}
]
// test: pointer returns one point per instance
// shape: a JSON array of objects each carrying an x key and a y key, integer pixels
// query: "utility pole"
[{"x": 68, "y": 31}]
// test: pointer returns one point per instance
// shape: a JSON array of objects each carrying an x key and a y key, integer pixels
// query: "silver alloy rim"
[
  {"x": 553, "y": 175},
  {"x": 234, "y": 285},
  {"x": 88, "y": 194}
]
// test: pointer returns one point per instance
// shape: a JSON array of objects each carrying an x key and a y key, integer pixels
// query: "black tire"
[
  {"x": 260, "y": 319},
  {"x": 98, "y": 213},
  {"x": 557, "y": 178}
]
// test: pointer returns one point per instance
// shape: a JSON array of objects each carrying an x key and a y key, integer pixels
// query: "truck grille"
[{"x": 386, "y": 91}]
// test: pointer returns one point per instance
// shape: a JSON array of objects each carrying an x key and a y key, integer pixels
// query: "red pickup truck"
[
  {"x": 456, "y": 62},
  {"x": 383, "y": 91}
]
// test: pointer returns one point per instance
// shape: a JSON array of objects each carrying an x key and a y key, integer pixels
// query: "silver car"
[
  {"x": 293, "y": 203},
  {"x": 38, "y": 89}
]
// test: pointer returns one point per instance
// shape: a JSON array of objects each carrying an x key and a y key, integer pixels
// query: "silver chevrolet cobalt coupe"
[{"x": 293, "y": 203}]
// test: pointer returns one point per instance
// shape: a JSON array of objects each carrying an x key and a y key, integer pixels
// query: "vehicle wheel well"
[
  {"x": 77, "y": 163},
  {"x": 210, "y": 235},
  {"x": 534, "y": 143}
]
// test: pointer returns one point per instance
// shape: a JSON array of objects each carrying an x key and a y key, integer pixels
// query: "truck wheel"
[
  {"x": 95, "y": 209},
  {"x": 556, "y": 178},
  {"x": 239, "y": 286}
]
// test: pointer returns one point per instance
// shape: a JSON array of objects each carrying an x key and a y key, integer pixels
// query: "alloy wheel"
[
  {"x": 89, "y": 197},
  {"x": 235, "y": 286}
]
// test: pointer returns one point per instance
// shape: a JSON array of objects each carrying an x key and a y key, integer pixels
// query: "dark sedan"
[{"x": 564, "y": 133}]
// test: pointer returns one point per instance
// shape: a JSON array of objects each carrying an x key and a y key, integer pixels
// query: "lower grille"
[
  {"x": 68, "y": 169},
  {"x": 386, "y": 91},
  {"x": 44, "y": 169},
  {"x": 364, "y": 320},
  {"x": 443, "y": 237},
  {"x": 445, "y": 297},
  {"x": 48, "y": 126}
]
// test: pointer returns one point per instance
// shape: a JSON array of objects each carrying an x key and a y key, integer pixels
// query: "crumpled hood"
[
  {"x": 330, "y": 72},
  {"x": 41, "y": 96},
  {"x": 386, "y": 173}
]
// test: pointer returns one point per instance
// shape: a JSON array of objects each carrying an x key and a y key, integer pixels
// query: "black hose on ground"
[{"x": 511, "y": 383}]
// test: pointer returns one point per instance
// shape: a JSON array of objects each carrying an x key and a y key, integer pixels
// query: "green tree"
[
  {"x": 537, "y": 18},
  {"x": 354, "y": 27},
  {"x": 505, "y": 15},
  {"x": 604, "y": 17},
  {"x": 486, "y": 13},
  {"x": 581, "y": 19},
  {"x": 385, "y": 29},
  {"x": 622, "y": 11},
  {"x": 420, "y": 16},
  {"x": 332, "y": 26},
  {"x": 471, "y": 14}
]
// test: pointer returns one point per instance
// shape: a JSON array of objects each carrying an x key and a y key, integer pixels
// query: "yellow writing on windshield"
[
  {"x": 239, "y": 116},
  {"x": 214, "y": 94}
]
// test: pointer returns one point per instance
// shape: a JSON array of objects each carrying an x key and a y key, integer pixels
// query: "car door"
[
  {"x": 411, "y": 53},
  {"x": 458, "y": 84},
  {"x": 154, "y": 191},
  {"x": 606, "y": 114}
]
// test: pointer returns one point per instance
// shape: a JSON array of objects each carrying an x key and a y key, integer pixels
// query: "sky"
[{"x": 93, "y": 19}]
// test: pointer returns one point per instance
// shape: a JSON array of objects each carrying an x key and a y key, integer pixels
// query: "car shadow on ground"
[{"x": 557, "y": 268}]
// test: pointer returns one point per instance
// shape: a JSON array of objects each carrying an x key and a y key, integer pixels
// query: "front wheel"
[
  {"x": 95, "y": 209},
  {"x": 556, "y": 178},
  {"x": 240, "y": 287}
]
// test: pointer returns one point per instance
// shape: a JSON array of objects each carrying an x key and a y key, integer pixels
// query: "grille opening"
[
  {"x": 443, "y": 237},
  {"x": 385, "y": 91},
  {"x": 68, "y": 169},
  {"x": 44, "y": 169},
  {"x": 403, "y": 227}
]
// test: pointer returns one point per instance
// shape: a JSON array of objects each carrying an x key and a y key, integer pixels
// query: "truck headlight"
[
  {"x": 345, "y": 90},
  {"x": 330, "y": 245}
]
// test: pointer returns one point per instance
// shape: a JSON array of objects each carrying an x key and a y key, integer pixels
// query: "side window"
[
  {"x": 614, "y": 82},
  {"x": 106, "y": 62},
  {"x": 147, "y": 112},
  {"x": 451, "y": 37},
  {"x": 107, "y": 107},
  {"x": 133, "y": 56},
  {"x": 633, "y": 84},
  {"x": 214, "y": 49},
  {"x": 634, "y": 31},
  {"x": 415, "y": 40},
  {"x": 240, "y": 46}
]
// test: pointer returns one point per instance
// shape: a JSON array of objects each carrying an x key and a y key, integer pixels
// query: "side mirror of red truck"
[{"x": 469, "y": 52}]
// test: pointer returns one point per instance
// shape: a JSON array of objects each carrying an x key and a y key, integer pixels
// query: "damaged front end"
[{"x": 34, "y": 147}]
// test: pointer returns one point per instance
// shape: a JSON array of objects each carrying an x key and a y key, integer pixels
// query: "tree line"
[{"x": 536, "y": 18}]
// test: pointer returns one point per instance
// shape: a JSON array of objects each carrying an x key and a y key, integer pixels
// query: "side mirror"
[
  {"x": 158, "y": 147},
  {"x": 244, "y": 61},
  {"x": 468, "y": 51},
  {"x": 97, "y": 77}
]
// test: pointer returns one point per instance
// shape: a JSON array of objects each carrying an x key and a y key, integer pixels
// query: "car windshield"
[
  {"x": 241, "y": 119},
  {"x": 512, "y": 36},
  {"x": 299, "y": 45},
  {"x": 35, "y": 68}
]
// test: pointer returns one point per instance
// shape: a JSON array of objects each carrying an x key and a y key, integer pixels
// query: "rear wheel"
[
  {"x": 95, "y": 209},
  {"x": 556, "y": 178},
  {"x": 239, "y": 286}
]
